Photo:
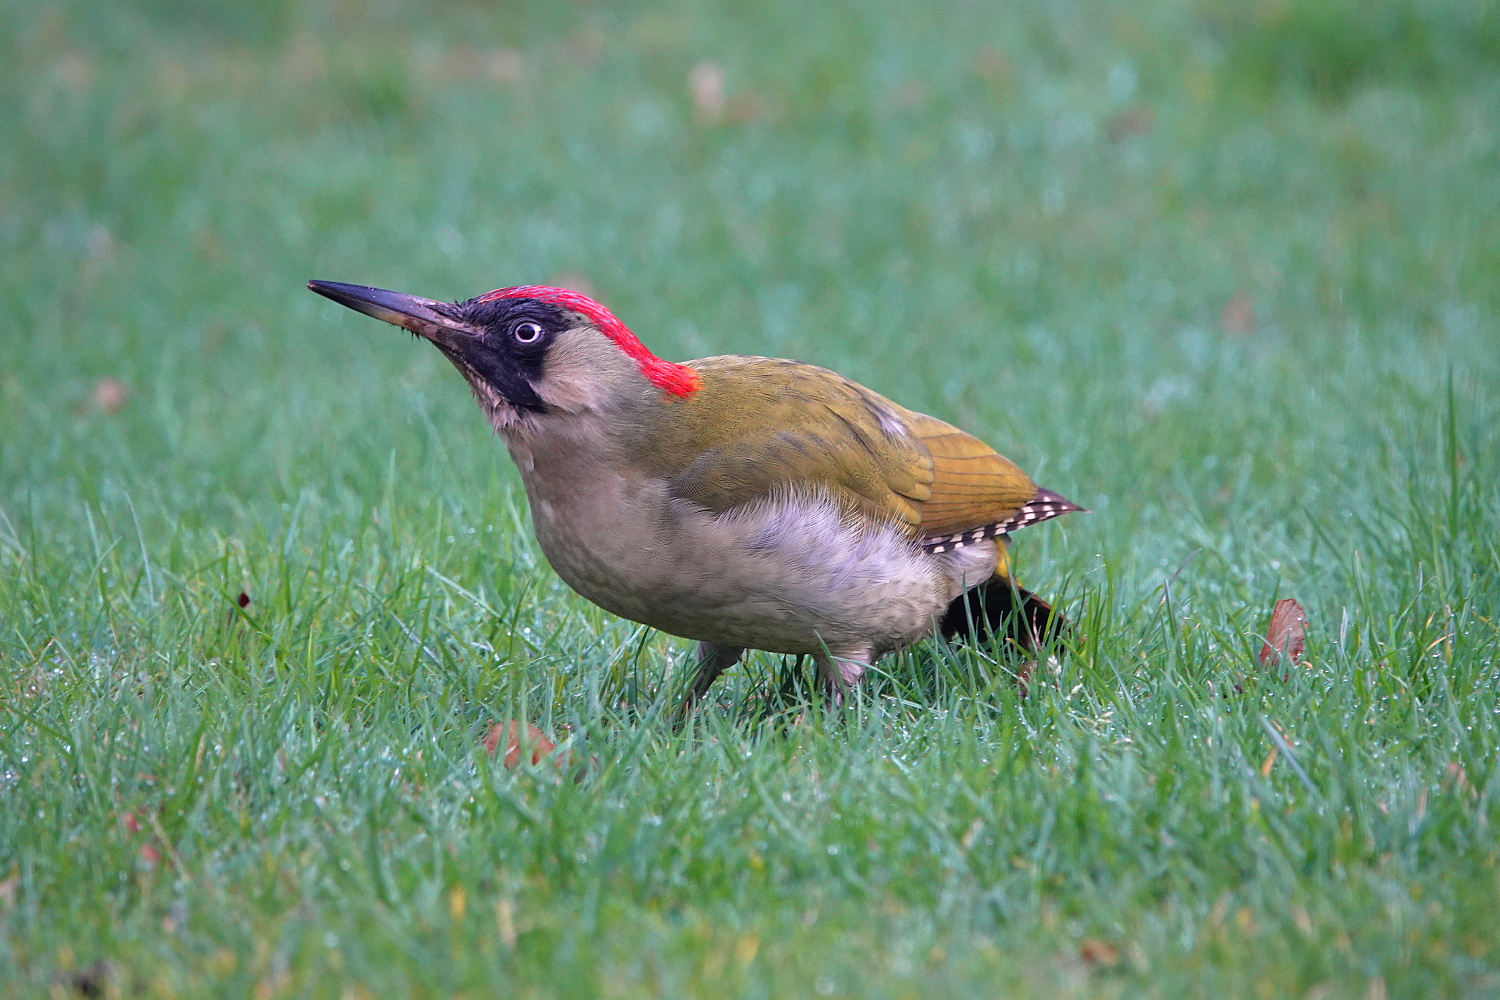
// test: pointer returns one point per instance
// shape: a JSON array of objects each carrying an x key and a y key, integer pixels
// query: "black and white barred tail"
[{"x": 1042, "y": 507}]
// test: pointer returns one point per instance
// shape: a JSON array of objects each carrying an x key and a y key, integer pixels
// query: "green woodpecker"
[{"x": 747, "y": 503}]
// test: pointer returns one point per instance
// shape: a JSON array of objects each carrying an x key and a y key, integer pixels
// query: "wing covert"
[{"x": 779, "y": 426}]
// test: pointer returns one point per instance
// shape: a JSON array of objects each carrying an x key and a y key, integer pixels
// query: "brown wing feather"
[{"x": 972, "y": 486}]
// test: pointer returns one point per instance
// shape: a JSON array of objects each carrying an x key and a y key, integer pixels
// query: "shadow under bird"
[{"x": 745, "y": 502}]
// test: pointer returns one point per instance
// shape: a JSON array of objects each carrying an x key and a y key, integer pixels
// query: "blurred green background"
[
  {"x": 1053, "y": 223},
  {"x": 1226, "y": 273}
]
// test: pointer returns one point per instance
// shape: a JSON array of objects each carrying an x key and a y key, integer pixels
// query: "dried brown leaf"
[
  {"x": 1129, "y": 123},
  {"x": 1286, "y": 637},
  {"x": 909, "y": 94},
  {"x": 510, "y": 734},
  {"x": 991, "y": 64},
  {"x": 1238, "y": 315},
  {"x": 110, "y": 394},
  {"x": 746, "y": 108},
  {"x": 1098, "y": 954}
]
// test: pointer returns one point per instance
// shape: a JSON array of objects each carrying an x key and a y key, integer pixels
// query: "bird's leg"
[
  {"x": 840, "y": 673},
  {"x": 790, "y": 680},
  {"x": 712, "y": 660}
]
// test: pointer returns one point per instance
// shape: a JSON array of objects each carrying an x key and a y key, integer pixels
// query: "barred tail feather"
[{"x": 1042, "y": 507}]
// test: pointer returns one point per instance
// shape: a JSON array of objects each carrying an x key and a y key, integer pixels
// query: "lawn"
[{"x": 1226, "y": 274}]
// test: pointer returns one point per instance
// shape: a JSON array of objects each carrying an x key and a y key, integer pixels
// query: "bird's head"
[{"x": 530, "y": 350}]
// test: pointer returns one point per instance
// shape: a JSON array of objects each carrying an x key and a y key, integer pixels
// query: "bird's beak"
[
  {"x": 427, "y": 318},
  {"x": 442, "y": 324}
]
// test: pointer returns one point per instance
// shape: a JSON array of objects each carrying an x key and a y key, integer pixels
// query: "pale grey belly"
[{"x": 792, "y": 576}]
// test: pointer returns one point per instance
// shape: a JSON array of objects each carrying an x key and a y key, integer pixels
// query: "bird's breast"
[{"x": 791, "y": 574}]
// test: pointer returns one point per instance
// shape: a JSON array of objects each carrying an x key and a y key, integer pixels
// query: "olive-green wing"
[{"x": 760, "y": 427}]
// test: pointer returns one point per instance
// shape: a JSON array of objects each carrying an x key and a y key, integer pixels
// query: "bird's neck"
[{"x": 564, "y": 455}]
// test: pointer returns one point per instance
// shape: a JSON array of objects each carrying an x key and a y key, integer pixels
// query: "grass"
[{"x": 1225, "y": 275}]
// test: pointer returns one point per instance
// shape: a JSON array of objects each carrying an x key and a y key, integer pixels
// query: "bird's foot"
[
  {"x": 711, "y": 660},
  {"x": 841, "y": 673}
]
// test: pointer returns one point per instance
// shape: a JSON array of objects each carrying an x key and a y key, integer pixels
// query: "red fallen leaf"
[
  {"x": 1130, "y": 123},
  {"x": 243, "y": 600},
  {"x": 509, "y": 733},
  {"x": 1098, "y": 954},
  {"x": 909, "y": 94},
  {"x": 1238, "y": 314},
  {"x": 746, "y": 108},
  {"x": 109, "y": 395},
  {"x": 991, "y": 64},
  {"x": 1286, "y": 638}
]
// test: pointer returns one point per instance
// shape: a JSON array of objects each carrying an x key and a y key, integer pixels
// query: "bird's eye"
[{"x": 526, "y": 333}]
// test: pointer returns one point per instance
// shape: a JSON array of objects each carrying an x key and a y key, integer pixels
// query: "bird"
[{"x": 742, "y": 502}]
